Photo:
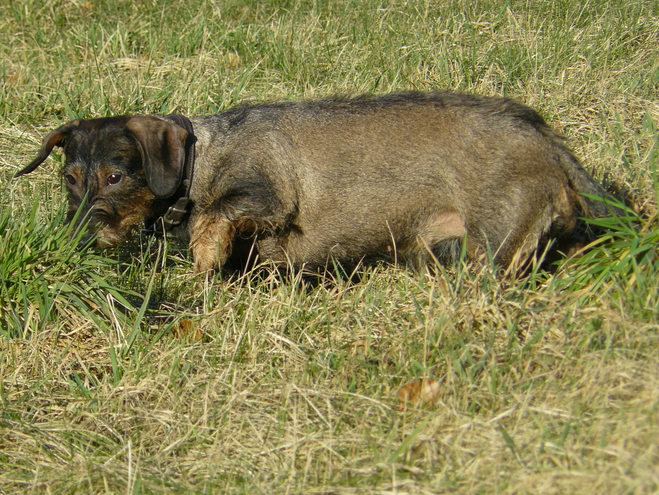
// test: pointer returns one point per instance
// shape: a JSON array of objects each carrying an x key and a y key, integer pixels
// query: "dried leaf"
[{"x": 423, "y": 391}]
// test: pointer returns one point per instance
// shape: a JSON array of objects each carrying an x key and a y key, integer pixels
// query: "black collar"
[{"x": 179, "y": 210}]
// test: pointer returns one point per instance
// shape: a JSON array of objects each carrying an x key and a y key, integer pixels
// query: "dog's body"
[{"x": 402, "y": 176}]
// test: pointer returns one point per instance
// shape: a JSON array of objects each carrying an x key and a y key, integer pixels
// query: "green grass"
[{"x": 121, "y": 372}]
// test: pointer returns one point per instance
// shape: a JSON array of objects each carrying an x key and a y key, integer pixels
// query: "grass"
[{"x": 121, "y": 372}]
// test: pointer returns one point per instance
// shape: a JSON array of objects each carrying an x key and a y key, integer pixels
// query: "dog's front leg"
[{"x": 211, "y": 239}]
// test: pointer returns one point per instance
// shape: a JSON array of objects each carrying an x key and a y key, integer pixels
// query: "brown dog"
[{"x": 406, "y": 176}]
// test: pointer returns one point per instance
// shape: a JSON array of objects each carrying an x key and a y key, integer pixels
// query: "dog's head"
[{"x": 118, "y": 171}]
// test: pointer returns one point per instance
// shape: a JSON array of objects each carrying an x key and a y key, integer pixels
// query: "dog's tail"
[{"x": 594, "y": 200}]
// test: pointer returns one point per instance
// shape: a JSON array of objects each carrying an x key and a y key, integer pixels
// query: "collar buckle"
[{"x": 176, "y": 212}]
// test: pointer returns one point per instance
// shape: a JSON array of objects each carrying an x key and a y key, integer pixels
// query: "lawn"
[{"x": 123, "y": 372}]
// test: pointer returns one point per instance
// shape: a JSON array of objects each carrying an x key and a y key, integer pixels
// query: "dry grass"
[
  {"x": 534, "y": 392},
  {"x": 542, "y": 384}
]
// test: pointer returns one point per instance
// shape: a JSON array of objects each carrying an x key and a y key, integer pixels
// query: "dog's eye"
[
  {"x": 70, "y": 179},
  {"x": 114, "y": 179}
]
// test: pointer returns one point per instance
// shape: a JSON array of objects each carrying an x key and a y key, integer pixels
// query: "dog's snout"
[{"x": 86, "y": 240}]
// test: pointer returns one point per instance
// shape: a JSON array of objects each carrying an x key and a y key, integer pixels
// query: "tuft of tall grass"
[
  {"x": 43, "y": 273},
  {"x": 623, "y": 262}
]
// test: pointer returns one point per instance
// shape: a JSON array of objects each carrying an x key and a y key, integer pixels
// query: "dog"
[{"x": 411, "y": 177}]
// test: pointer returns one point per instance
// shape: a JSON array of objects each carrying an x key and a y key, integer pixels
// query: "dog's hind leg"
[
  {"x": 211, "y": 240},
  {"x": 440, "y": 237}
]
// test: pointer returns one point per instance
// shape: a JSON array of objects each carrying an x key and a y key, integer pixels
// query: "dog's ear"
[
  {"x": 162, "y": 145},
  {"x": 55, "y": 138}
]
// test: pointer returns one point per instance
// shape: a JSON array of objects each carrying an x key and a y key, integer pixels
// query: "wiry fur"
[{"x": 403, "y": 176}]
